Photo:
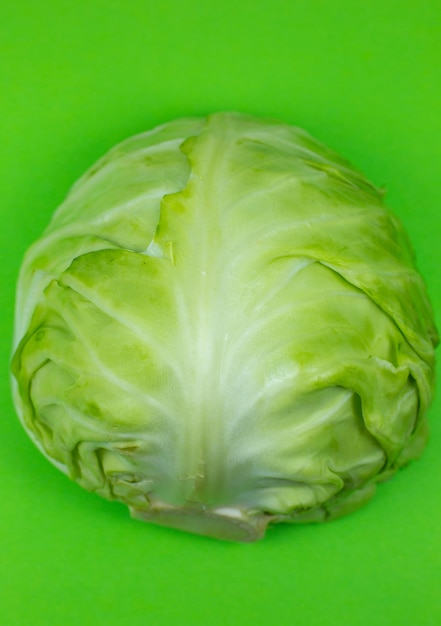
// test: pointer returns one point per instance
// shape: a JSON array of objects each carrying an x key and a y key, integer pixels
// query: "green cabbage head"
[{"x": 222, "y": 327}]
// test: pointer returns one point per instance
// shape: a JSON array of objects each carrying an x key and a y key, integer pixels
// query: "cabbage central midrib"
[{"x": 200, "y": 273}]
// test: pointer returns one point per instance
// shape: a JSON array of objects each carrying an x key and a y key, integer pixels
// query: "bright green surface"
[{"x": 75, "y": 78}]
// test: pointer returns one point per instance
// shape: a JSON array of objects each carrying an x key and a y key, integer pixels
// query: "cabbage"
[{"x": 222, "y": 327}]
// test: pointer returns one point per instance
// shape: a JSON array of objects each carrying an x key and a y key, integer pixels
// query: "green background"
[{"x": 78, "y": 76}]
